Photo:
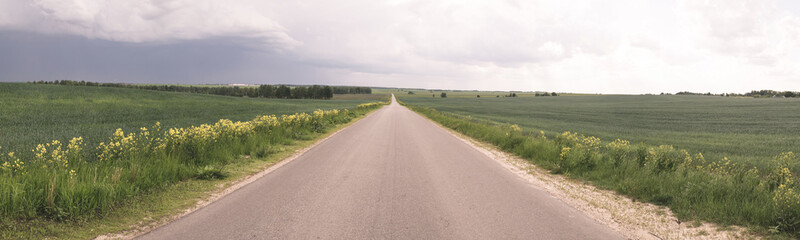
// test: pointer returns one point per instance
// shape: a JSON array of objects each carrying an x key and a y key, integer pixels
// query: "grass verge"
[
  {"x": 746, "y": 130},
  {"x": 693, "y": 188},
  {"x": 71, "y": 213}
]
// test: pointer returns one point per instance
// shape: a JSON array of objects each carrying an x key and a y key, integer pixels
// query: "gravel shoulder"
[{"x": 634, "y": 220}]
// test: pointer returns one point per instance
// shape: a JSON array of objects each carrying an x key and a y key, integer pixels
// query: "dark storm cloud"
[{"x": 32, "y": 56}]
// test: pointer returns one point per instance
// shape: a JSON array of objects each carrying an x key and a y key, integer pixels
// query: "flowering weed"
[
  {"x": 694, "y": 188},
  {"x": 68, "y": 181}
]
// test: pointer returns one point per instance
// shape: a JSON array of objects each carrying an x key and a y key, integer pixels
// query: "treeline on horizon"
[
  {"x": 261, "y": 91},
  {"x": 754, "y": 93}
]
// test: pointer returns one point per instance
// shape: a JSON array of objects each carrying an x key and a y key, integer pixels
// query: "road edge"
[
  {"x": 634, "y": 220},
  {"x": 215, "y": 195}
]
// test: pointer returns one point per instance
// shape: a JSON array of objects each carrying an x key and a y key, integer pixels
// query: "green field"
[
  {"x": 694, "y": 186},
  {"x": 72, "y": 186},
  {"x": 33, "y": 114},
  {"x": 745, "y": 130}
]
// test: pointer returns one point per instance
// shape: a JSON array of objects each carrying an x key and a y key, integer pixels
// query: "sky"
[{"x": 604, "y": 46}]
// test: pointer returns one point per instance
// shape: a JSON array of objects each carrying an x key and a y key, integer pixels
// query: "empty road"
[{"x": 392, "y": 175}]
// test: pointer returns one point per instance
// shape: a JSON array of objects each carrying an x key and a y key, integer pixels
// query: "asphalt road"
[{"x": 392, "y": 175}]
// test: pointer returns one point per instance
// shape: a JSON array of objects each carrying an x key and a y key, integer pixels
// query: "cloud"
[
  {"x": 642, "y": 41},
  {"x": 624, "y": 46},
  {"x": 449, "y": 39},
  {"x": 153, "y": 21},
  {"x": 755, "y": 30},
  {"x": 504, "y": 33}
]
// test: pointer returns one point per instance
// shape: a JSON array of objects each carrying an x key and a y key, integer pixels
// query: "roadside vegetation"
[
  {"x": 71, "y": 181},
  {"x": 33, "y": 114},
  {"x": 67, "y": 180},
  {"x": 745, "y": 130},
  {"x": 694, "y": 186}
]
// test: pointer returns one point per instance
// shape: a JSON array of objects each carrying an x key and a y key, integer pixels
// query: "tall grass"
[
  {"x": 67, "y": 181},
  {"x": 692, "y": 186},
  {"x": 746, "y": 130}
]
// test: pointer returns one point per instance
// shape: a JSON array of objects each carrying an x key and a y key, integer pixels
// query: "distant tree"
[
  {"x": 352, "y": 90},
  {"x": 327, "y": 91},
  {"x": 554, "y": 94},
  {"x": 314, "y": 92},
  {"x": 444, "y": 95},
  {"x": 283, "y": 92},
  {"x": 789, "y": 94},
  {"x": 263, "y": 91},
  {"x": 433, "y": 95},
  {"x": 410, "y": 92},
  {"x": 266, "y": 91},
  {"x": 479, "y": 96},
  {"x": 298, "y": 92}
]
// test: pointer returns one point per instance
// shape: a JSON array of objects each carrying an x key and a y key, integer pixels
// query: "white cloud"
[
  {"x": 503, "y": 33},
  {"x": 755, "y": 30},
  {"x": 145, "y": 21},
  {"x": 623, "y": 46}
]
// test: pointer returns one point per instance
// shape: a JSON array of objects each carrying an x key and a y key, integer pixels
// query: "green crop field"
[
  {"x": 73, "y": 154},
  {"x": 720, "y": 185},
  {"x": 32, "y": 114},
  {"x": 746, "y": 130}
]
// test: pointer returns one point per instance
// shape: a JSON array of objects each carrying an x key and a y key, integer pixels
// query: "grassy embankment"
[
  {"x": 694, "y": 186},
  {"x": 67, "y": 184}
]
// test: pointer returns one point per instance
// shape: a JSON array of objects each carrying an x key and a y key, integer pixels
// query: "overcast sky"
[{"x": 625, "y": 46}]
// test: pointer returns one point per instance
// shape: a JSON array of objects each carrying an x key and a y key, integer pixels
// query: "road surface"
[{"x": 392, "y": 175}]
